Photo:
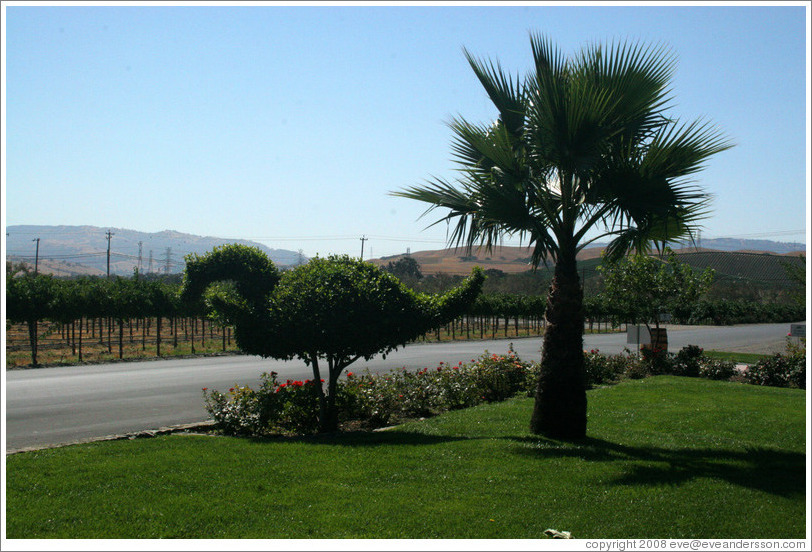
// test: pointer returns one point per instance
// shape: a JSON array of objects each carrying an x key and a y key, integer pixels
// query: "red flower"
[
  {"x": 231, "y": 390},
  {"x": 349, "y": 375},
  {"x": 440, "y": 368},
  {"x": 205, "y": 389}
]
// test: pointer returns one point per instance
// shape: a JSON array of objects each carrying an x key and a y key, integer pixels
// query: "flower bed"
[{"x": 375, "y": 400}]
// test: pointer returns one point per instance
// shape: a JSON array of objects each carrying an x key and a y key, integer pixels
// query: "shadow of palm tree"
[
  {"x": 777, "y": 472},
  {"x": 364, "y": 438}
]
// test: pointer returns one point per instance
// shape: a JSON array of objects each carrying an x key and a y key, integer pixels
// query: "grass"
[
  {"x": 739, "y": 358},
  {"x": 666, "y": 457}
]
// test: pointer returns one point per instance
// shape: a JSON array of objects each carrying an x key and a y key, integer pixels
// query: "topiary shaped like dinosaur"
[{"x": 337, "y": 309}]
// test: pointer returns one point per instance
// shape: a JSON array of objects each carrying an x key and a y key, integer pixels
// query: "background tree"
[
  {"x": 797, "y": 273},
  {"x": 30, "y": 299},
  {"x": 129, "y": 298},
  {"x": 582, "y": 143},
  {"x": 405, "y": 268},
  {"x": 164, "y": 302},
  {"x": 642, "y": 287}
]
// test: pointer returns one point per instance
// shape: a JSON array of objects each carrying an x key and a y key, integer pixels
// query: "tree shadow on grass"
[
  {"x": 776, "y": 472},
  {"x": 364, "y": 438}
]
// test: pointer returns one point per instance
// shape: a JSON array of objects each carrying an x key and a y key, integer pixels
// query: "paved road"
[{"x": 58, "y": 405}]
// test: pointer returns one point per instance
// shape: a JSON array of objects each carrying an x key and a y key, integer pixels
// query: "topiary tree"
[
  {"x": 328, "y": 313},
  {"x": 245, "y": 278}
]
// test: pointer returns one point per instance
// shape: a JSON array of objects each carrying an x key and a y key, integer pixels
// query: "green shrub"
[
  {"x": 455, "y": 386},
  {"x": 381, "y": 398},
  {"x": 688, "y": 360},
  {"x": 602, "y": 369},
  {"x": 291, "y": 406},
  {"x": 531, "y": 379},
  {"x": 658, "y": 360},
  {"x": 496, "y": 377},
  {"x": 374, "y": 399},
  {"x": 716, "y": 369},
  {"x": 235, "y": 412},
  {"x": 778, "y": 370},
  {"x": 636, "y": 368},
  {"x": 797, "y": 371}
]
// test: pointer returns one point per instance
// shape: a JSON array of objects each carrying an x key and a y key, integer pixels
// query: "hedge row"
[{"x": 376, "y": 400}]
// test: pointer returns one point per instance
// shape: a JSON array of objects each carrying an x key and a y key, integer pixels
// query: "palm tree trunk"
[{"x": 560, "y": 407}]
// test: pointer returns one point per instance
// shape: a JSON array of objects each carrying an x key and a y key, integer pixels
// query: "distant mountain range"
[
  {"x": 82, "y": 250},
  {"x": 738, "y": 244},
  {"x": 77, "y": 250}
]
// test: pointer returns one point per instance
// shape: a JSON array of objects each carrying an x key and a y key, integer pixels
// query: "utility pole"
[
  {"x": 363, "y": 239},
  {"x": 149, "y": 270},
  {"x": 109, "y": 237},
  {"x": 139, "y": 256},
  {"x": 36, "y": 257}
]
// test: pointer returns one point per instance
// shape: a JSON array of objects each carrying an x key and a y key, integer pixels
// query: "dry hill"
[{"x": 513, "y": 260}]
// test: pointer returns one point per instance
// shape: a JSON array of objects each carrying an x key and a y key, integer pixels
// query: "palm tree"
[{"x": 581, "y": 146}]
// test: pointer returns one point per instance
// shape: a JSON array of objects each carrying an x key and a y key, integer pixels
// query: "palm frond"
[
  {"x": 581, "y": 141},
  {"x": 637, "y": 77},
  {"x": 504, "y": 91},
  {"x": 484, "y": 148}
]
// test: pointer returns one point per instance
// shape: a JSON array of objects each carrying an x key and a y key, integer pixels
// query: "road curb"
[{"x": 144, "y": 434}]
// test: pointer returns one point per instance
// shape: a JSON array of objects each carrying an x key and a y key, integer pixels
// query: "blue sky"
[{"x": 291, "y": 124}]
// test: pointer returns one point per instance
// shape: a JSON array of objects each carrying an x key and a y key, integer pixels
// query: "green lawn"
[
  {"x": 742, "y": 358},
  {"x": 665, "y": 457}
]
